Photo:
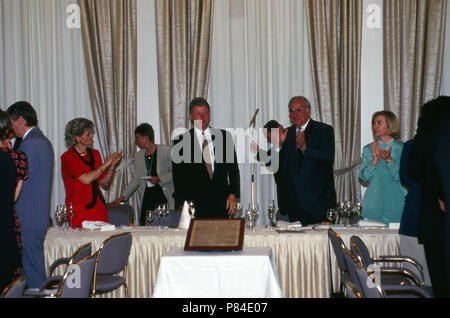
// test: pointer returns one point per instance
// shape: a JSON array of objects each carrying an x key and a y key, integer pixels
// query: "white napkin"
[
  {"x": 367, "y": 222},
  {"x": 284, "y": 224},
  {"x": 185, "y": 218},
  {"x": 394, "y": 226},
  {"x": 98, "y": 225}
]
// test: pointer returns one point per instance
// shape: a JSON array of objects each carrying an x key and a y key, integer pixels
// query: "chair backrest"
[
  {"x": 77, "y": 280},
  {"x": 81, "y": 252},
  {"x": 339, "y": 248},
  {"x": 359, "y": 277},
  {"x": 122, "y": 214},
  {"x": 360, "y": 251},
  {"x": 172, "y": 219},
  {"x": 352, "y": 291},
  {"x": 15, "y": 289},
  {"x": 112, "y": 256}
]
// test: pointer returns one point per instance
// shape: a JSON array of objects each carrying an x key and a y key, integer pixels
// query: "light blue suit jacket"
[{"x": 33, "y": 206}]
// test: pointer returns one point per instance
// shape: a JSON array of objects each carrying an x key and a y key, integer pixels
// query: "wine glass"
[
  {"x": 64, "y": 212},
  {"x": 191, "y": 209},
  {"x": 70, "y": 214},
  {"x": 238, "y": 212},
  {"x": 331, "y": 215},
  {"x": 149, "y": 217},
  {"x": 249, "y": 219},
  {"x": 59, "y": 216},
  {"x": 270, "y": 212},
  {"x": 163, "y": 212}
]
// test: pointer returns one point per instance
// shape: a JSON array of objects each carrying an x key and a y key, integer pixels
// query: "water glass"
[
  {"x": 250, "y": 221},
  {"x": 149, "y": 217},
  {"x": 271, "y": 214},
  {"x": 331, "y": 215},
  {"x": 163, "y": 212},
  {"x": 59, "y": 216},
  {"x": 238, "y": 212}
]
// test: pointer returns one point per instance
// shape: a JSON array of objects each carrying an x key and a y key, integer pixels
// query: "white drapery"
[
  {"x": 260, "y": 59},
  {"x": 41, "y": 61}
]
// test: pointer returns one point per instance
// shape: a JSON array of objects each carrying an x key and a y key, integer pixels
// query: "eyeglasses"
[{"x": 298, "y": 110}]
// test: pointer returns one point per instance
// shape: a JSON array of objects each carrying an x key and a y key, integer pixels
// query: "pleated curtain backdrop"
[
  {"x": 184, "y": 35},
  {"x": 335, "y": 28},
  {"x": 414, "y": 33},
  {"x": 109, "y": 39}
]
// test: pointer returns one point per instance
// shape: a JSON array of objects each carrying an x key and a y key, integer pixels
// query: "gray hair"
[
  {"x": 308, "y": 104},
  {"x": 76, "y": 128}
]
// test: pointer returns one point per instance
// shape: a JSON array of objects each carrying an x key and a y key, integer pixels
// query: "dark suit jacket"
[
  {"x": 191, "y": 179},
  {"x": 33, "y": 206},
  {"x": 10, "y": 250},
  {"x": 308, "y": 177},
  {"x": 409, "y": 224}
]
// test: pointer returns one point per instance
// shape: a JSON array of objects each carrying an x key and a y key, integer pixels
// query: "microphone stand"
[{"x": 252, "y": 164}]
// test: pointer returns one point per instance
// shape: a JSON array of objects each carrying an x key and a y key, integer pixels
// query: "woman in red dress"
[{"x": 83, "y": 173}]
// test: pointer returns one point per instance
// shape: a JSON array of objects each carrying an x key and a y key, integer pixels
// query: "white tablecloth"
[
  {"x": 302, "y": 258},
  {"x": 250, "y": 273}
]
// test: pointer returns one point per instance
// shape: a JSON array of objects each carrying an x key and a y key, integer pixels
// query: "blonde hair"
[{"x": 391, "y": 122}]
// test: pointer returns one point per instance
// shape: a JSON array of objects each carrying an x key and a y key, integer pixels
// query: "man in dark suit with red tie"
[
  {"x": 205, "y": 168},
  {"x": 306, "y": 165}
]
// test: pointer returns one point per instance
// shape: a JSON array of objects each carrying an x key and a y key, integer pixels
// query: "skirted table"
[{"x": 302, "y": 258}]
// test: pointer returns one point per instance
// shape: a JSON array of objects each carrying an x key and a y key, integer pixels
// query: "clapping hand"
[
  {"x": 386, "y": 154},
  {"x": 282, "y": 136},
  {"x": 113, "y": 159},
  {"x": 254, "y": 147}
]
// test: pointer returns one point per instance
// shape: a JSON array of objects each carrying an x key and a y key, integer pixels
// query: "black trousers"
[{"x": 152, "y": 197}]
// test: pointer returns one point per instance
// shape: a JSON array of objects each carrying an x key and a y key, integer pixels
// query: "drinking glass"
[
  {"x": 163, "y": 212},
  {"x": 250, "y": 220},
  {"x": 70, "y": 214},
  {"x": 331, "y": 215},
  {"x": 64, "y": 212},
  {"x": 271, "y": 212},
  {"x": 59, "y": 216},
  {"x": 191, "y": 209},
  {"x": 149, "y": 217},
  {"x": 238, "y": 212}
]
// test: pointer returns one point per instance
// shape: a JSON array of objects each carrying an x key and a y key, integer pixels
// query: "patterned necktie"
[{"x": 207, "y": 156}]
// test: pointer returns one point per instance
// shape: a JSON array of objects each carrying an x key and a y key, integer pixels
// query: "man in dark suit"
[
  {"x": 33, "y": 206},
  {"x": 205, "y": 168},
  {"x": 428, "y": 164},
  {"x": 306, "y": 165}
]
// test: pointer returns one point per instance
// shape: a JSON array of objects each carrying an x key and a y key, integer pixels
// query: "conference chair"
[
  {"x": 172, "y": 219},
  {"x": 338, "y": 247},
  {"x": 81, "y": 252},
  {"x": 111, "y": 259},
  {"x": 122, "y": 214},
  {"x": 15, "y": 289},
  {"x": 366, "y": 283},
  {"x": 351, "y": 291},
  {"x": 75, "y": 283},
  {"x": 389, "y": 274}
]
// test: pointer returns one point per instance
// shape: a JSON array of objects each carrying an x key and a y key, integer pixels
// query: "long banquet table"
[{"x": 303, "y": 258}]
